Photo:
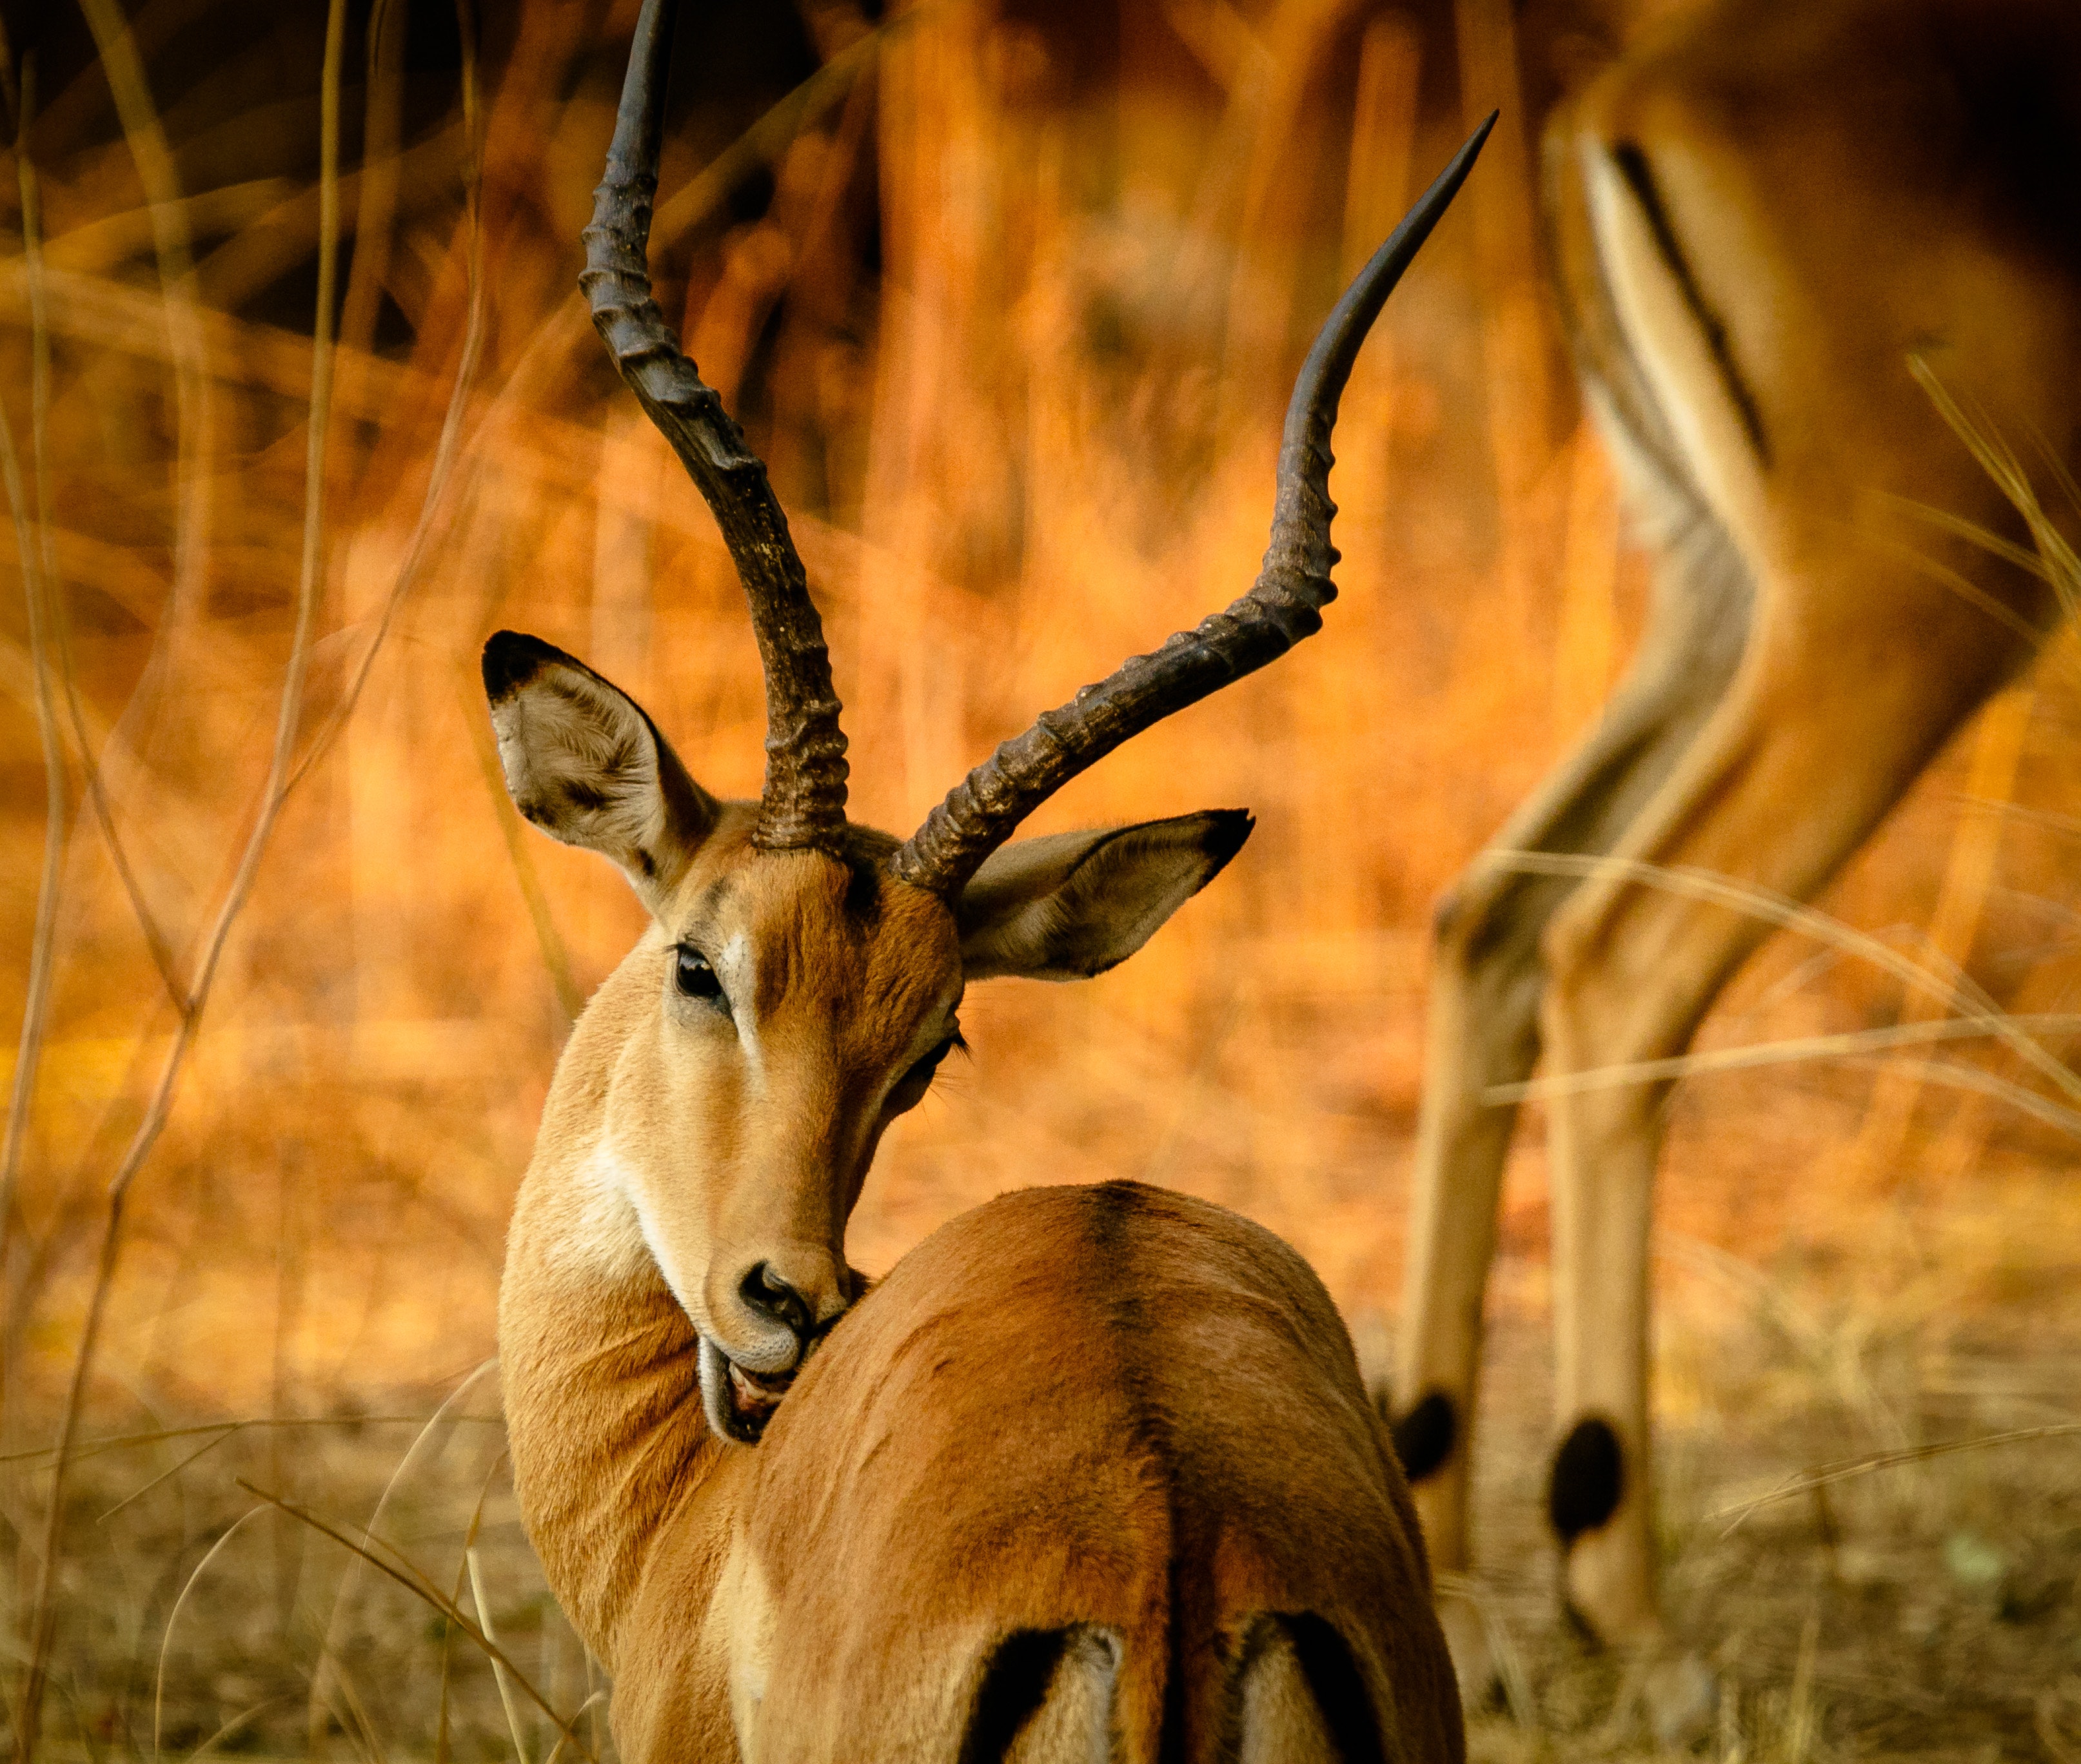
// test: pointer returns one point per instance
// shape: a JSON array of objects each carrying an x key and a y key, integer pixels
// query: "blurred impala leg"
[
  {"x": 1756, "y": 322},
  {"x": 1883, "y": 1146},
  {"x": 1632, "y": 968},
  {"x": 1518, "y": 370},
  {"x": 1587, "y": 640},
  {"x": 1484, "y": 1032}
]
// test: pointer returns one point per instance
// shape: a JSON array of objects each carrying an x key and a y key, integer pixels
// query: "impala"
[
  {"x": 1759, "y": 214},
  {"x": 1091, "y": 1474}
]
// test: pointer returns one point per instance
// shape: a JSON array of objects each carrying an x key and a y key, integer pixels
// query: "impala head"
[
  {"x": 790, "y": 999},
  {"x": 802, "y": 976}
]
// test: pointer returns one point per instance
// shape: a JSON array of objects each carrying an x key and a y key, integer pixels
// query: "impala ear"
[
  {"x": 586, "y": 764},
  {"x": 1073, "y": 905}
]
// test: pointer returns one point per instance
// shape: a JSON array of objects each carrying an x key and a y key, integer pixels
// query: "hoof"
[
  {"x": 1681, "y": 1698},
  {"x": 1474, "y": 1662}
]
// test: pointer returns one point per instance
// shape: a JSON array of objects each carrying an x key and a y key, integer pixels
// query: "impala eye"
[
  {"x": 695, "y": 978},
  {"x": 921, "y": 1074}
]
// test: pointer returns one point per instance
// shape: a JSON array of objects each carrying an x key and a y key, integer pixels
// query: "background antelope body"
[{"x": 1785, "y": 237}]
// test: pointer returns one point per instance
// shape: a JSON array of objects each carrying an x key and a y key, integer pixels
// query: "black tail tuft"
[
  {"x": 1269, "y": 1713},
  {"x": 1059, "y": 1680}
]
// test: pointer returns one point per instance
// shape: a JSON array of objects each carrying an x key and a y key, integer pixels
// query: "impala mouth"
[{"x": 739, "y": 1403}]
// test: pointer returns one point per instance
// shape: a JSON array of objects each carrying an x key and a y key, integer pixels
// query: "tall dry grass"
[{"x": 1010, "y": 308}]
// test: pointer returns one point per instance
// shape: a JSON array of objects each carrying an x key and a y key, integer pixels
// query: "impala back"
[{"x": 1091, "y": 1474}]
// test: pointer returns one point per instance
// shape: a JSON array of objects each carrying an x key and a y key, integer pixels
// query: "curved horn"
[
  {"x": 1285, "y": 605},
  {"x": 804, "y": 800}
]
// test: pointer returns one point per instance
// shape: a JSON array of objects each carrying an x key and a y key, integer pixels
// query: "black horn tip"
[
  {"x": 1455, "y": 174},
  {"x": 1320, "y": 385},
  {"x": 512, "y": 658}
]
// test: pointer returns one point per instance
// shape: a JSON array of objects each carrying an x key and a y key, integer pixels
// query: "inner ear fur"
[
  {"x": 1071, "y": 905},
  {"x": 586, "y": 764}
]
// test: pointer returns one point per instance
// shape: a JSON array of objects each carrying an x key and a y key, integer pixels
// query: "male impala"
[
  {"x": 1758, "y": 216},
  {"x": 1092, "y": 1475}
]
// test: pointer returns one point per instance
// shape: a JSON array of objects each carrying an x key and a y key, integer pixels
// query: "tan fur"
[
  {"x": 1129, "y": 1422},
  {"x": 661, "y": 1151},
  {"x": 1843, "y": 183},
  {"x": 1110, "y": 1407}
]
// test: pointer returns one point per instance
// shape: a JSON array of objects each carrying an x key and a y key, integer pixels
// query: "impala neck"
[{"x": 598, "y": 1361}]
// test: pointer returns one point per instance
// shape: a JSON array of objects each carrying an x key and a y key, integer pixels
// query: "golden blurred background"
[{"x": 1009, "y": 296}]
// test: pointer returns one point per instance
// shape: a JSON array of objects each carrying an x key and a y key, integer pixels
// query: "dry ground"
[{"x": 1928, "y": 1610}]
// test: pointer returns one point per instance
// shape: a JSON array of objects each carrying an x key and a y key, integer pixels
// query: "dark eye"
[
  {"x": 694, "y": 976},
  {"x": 921, "y": 1074}
]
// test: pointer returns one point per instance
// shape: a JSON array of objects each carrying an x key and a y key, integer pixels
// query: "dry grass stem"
[
  {"x": 30, "y": 532},
  {"x": 1845, "y": 1045},
  {"x": 484, "y": 1622},
  {"x": 1955, "y": 990},
  {"x": 329, "y": 1647},
  {"x": 178, "y": 307},
  {"x": 2057, "y": 565},
  {"x": 408, "y": 1576},
  {"x": 173, "y": 1619},
  {"x": 1831, "y": 1474},
  {"x": 141, "y": 125}
]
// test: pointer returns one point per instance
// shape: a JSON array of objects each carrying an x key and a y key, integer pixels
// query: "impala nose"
[
  {"x": 782, "y": 1303},
  {"x": 770, "y": 1297}
]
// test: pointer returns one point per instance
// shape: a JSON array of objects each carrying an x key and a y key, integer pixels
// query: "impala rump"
[{"x": 1116, "y": 1438}]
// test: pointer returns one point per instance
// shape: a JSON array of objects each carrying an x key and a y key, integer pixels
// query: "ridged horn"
[
  {"x": 803, "y": 804},
  {"x": 1284, "y": 606}
]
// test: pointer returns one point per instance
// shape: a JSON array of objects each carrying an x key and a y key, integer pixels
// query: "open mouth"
[{"x": 739, "y": 1403}]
